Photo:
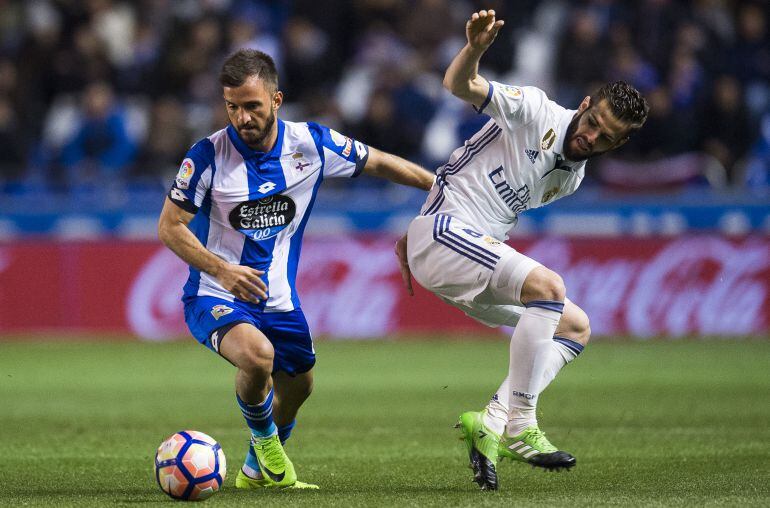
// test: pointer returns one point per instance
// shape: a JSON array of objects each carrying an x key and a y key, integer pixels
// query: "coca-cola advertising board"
[{"x": 350, "y": 287}]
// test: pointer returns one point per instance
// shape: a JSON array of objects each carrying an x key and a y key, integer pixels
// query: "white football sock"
[
  {"x": 531, "y": 352},
  {"x": 496, "y": 416}
]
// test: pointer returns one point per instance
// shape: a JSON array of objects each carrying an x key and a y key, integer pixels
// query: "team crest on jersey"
[
  {"x": 341, "y": 140},
  {"x": 260, "y": 219},
  {"x": 185, "y": 173},
  {"x": 548, "y": 139},
  {"x": 220, "y": 310},
  {"x": 338, "y": 138},
  {"x": 513, "y": 91},
  {"x": 531, "y": 155},
  {"x": 549, "y": 194}
]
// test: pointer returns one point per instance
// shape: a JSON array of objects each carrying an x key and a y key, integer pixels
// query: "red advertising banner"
[{"x": 351, "y": 287}]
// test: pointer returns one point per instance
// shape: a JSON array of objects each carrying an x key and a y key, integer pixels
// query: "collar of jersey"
[{"x": 248, "y": 153}]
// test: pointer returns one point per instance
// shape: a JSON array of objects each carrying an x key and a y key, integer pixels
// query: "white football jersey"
[
  {"x": 512, "y": 164},
  {"x": 251, "y": 207}
]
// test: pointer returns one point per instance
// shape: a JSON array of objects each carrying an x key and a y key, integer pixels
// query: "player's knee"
[
  {"x": 543, "y": 284},
  {"x": 258, "y": 357}
]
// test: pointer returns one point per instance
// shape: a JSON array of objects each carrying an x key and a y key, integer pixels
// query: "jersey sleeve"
[
  {"x": 512, "y": 106},
  {"x": 193, "y": 180},
  {"x": 342, "y": 156}
]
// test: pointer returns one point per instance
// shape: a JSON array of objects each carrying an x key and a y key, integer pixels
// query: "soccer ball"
[{"x": 190, "y": 465}]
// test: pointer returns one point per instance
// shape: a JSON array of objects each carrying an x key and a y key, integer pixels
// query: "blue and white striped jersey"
[{"x": 252, "y": 207}]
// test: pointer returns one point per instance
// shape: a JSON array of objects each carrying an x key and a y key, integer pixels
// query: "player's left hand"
[{"x": 403, "y": 264}]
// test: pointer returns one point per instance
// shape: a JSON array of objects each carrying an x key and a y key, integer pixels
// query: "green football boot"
[
  {"x": 531, "y": 446},
  {"x": 482, "y": 444},
  {"x": 274, "y": 464},
  {"x": 242, "y": 481}
]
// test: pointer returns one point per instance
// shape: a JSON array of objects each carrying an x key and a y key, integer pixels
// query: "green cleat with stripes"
[{"x": 531, "y": 446}]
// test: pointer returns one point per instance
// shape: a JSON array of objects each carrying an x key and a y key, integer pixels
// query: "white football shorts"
[{"x": 472, "y": 271}]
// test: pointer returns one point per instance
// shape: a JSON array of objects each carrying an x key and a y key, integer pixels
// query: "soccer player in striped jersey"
[
  {"x": 531, "y": 152},
  {"x": 236, "y": 213}
]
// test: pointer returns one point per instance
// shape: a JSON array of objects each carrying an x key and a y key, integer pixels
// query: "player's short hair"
[
  {"x": 245, "y": 63},
  {"x": 625, "y": 102}
]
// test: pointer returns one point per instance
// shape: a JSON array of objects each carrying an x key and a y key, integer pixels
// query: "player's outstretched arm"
[
  {"x": 398, "y": 170},
  {"x": 462, "y": 76},
  {"x": 242, "y": 281}
]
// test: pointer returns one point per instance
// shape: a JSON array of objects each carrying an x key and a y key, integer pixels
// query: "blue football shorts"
[{"x": 288, "y": 332}]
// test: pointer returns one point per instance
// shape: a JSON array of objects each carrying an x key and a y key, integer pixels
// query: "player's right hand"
[
  {"x": 482, "y": 29},
  {"x": 243, "y": 282}
]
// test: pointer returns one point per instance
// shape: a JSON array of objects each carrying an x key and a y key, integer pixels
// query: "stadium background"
[
  {"x": 667, "y": 239},
  {"x": 99, "y": 100}
]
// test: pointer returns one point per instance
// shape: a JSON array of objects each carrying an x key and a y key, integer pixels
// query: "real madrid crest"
[
  {"x": 548, "y": 139},
  {"x": 549, "y": 194}
]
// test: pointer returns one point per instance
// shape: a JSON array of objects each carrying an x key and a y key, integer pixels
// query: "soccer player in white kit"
[
  {"x": 530, "y": 153},
  {"x": 236, "y": 213}
]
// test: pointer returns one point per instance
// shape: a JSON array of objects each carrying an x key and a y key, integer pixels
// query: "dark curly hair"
[
  {"x": 245, "y": 63},
  {"x": 625, "y": 102}
]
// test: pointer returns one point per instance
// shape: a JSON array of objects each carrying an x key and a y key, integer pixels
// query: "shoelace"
[
  {"x": 272, "y": 450},
  {"x": 539, "y": 439}
]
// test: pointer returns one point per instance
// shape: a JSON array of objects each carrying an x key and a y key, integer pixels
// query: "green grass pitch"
[{"x": 651, "y": 424}]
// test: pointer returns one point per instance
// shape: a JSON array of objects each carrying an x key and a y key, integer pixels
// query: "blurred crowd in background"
[{"x": 97, "y": 91}]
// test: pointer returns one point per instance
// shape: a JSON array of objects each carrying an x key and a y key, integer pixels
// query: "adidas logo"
[{"x": 531, "y": 154}]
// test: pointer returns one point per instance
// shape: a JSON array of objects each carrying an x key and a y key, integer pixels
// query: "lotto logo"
[{"x": 266, "y": 187}]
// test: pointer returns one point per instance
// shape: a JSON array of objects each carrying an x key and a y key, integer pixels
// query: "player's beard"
[
  {"x": 254, "y": 137},
  {"x": 568, "y": 153}
]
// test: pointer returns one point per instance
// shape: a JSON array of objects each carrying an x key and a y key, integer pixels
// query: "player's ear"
[
  {"x": 277, "y": 99},
  {"x": 584, "y": 104}
]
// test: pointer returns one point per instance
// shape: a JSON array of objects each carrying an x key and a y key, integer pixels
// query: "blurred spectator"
[
  {"x": 582, "y": 57},
  {"x": 665, "y": 133},
  {"x": 724, "y": 124},
  {"x": 167, "y": 140},
  {"x": 11, "y": 147},
  {"x": 373, "y": 65},
  {"x": 750, "y": 56},
  {"x": 101, "y": 149}
]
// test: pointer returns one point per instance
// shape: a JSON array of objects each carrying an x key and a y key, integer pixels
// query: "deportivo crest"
[
  {"x": 549, "y": 194},
  {"x": 220, "y": 310},
  {"x": 186, "y": 171},
  {"x": 548, "y": 139},
  {"x": 531, "y": 155}
]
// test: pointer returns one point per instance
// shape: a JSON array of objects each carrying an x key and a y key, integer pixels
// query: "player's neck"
[{"x": 268, "y": 143}]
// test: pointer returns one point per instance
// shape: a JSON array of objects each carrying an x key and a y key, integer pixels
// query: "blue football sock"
[
  {"x": 259, "y": 417},
  {"x": 284, "y": 431}
]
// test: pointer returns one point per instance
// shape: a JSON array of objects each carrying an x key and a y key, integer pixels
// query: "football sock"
[
  {"x": 496, "y": 415},
  {"x": 284, "y": 431},
  {"x": 563, "y": 351},
  {"x": 531, "y": 350},
  {"x": 251, "y": 465},
  {"x": 259, "y": 417}
]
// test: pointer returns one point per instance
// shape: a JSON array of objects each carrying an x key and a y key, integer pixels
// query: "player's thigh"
[
  {"x": 455, "y": 261},
  {"x": 210, "y": 319},
  {"x": 290, "y": 335},
  {"x": 247, "y": 348}
]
